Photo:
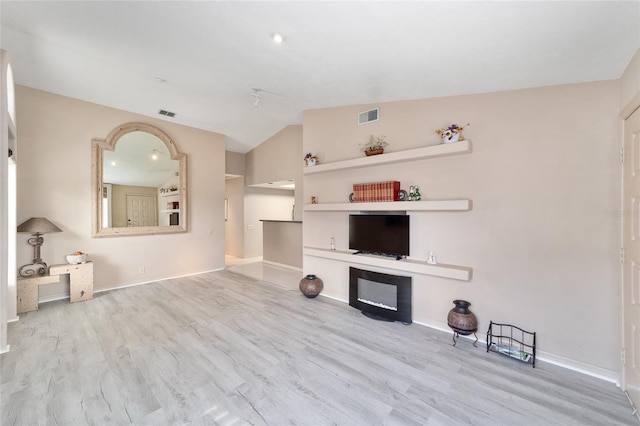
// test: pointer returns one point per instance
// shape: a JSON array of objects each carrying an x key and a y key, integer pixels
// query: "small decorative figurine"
[
  {"x": 314, "y": 200},
  {"x": 310, "y": 159},
  {"x": 452, "y": 133},
  {"x": 432, "y": 260},
  {"x": 414, "y": 193}
]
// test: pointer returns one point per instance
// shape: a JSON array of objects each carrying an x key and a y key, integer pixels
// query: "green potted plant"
[{"x": 375, "y": 145}]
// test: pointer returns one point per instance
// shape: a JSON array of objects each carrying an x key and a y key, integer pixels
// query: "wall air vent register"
[{"x": 369, "y": 116}]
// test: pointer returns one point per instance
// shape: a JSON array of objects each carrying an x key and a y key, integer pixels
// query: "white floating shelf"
[
  {"x": 169, "y": 194},
  {"x": 454, "y": 272},
  {"x": 432, "y": 205},
  {"x": 433, "y": 151}
]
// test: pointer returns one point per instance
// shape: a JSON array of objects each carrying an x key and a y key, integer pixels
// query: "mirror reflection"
[{"x": 141, "y": 182}]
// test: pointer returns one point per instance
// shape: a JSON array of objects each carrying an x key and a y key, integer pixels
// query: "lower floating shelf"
[{"x": 454, "y": 272}]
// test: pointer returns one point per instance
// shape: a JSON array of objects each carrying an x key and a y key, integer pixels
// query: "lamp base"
[{"x": 37, "y": 268}]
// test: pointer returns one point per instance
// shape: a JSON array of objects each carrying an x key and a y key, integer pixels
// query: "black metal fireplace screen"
[{"x": 380, "y": 296}]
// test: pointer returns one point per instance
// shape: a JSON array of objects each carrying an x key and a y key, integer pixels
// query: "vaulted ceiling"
[{"x": 203, "y": 59}]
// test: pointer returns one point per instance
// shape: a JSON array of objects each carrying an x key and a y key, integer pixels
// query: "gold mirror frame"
[{"x": 98, "y": 147}]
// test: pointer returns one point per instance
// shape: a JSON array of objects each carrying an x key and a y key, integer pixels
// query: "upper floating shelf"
[
  {"x": 433, "y": 151},
  {"x": 430, "y": 205}
]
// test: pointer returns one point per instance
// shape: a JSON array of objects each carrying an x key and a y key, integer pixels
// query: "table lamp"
[{"x": 36, "y": 226}]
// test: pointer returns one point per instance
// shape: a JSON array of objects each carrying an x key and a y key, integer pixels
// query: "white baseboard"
[
  {"x": 560, "y": 361},
  {"x": 155, "y": 281},
  {"x": 282, "y": 265},
  {"x": 116, "y": 287}
]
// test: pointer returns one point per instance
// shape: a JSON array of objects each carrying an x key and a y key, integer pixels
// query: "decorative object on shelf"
[
  {"x": 77, "y": 258},
  {"x": 311, "y": 286},
  {"x": 314, "y": 200},
  {"x": 432, "y": 259},
  {"x": 172, "y": 188},
  {"x": 36, "y": 226},
  {"x": 414, "y": 193},
  {"x": 352, "y": 198},
  {"x": 310, "y": 159},
  {"x": 402, "y": 195},
  {"x": 375, "y": 145},
  {"x": 512, "y": 341},
  {"x": 333, "y": 243},
  {"x": 452, "y": 133},
  {"x": 462, "y": 321},
  {"x": 376, "y": 191}
]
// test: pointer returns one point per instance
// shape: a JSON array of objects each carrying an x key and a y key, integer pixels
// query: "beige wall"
[
  {"x": 260, "y": 203},
  {"x": 630, "y": 84},
  {"x": 54, "y": 181},
  {"x": 234, "y": 226},
  {"x": 235, "y": 163},
  {"x": 119, "y": 201},
  {"x": 278, "y": 158},
  {"x": 542, "y": 237},
  {"x": 282, "y": 243}
]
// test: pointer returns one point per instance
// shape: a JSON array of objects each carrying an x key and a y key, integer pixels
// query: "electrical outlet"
[{"x": 141, "y": 270}]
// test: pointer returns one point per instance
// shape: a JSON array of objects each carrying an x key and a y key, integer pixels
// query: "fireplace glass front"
[{"x": 380, "y": 296}]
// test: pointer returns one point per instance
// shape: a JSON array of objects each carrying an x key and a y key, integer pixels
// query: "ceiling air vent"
[
  {"x": 369, "y": 116},
  {"x": 167, "y": 113}
]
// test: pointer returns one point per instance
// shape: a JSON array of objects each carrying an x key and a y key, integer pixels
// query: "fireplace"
[{"x": 380, "y": 296}]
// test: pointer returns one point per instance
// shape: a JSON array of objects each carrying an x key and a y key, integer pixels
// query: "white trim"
[
  {"x": 454, "y": 272},
  {"x": 432, "y": 151},
  {"x": 282, "y": 265},
  {"x": 157, "y": 280},
  {"x": 560, "y": 361},
  {"x": 426, "y": 206},
  {"x": 5, "y": 350},
  {"x": 580, "y": 367},
  {"x": 117, "y": 287}
]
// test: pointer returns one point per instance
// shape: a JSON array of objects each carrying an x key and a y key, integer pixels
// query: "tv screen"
[{"x": 379, "y": 234}]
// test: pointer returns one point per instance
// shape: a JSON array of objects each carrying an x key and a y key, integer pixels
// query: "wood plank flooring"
[{"x": 223, "y": 348}]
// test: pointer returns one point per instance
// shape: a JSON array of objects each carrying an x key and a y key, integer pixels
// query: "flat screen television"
[{"x": 382, "y": 234}]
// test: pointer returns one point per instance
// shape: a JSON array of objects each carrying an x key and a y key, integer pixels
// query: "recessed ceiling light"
[{"x": 277, "y": 38}]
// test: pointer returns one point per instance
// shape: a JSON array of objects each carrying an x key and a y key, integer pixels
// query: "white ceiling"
[{"x": 212, "y": 53}]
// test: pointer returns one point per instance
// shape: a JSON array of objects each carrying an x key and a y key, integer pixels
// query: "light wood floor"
[{"x": 222, "y": 348}]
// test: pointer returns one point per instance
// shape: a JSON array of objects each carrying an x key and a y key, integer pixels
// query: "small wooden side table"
[{"x": 80, "y": 285}]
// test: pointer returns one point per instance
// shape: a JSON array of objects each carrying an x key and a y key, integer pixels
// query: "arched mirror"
[{"x": 139, "y": 183}]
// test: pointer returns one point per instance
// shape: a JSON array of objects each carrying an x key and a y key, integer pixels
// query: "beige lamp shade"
[{"x": 38, "y": 225}]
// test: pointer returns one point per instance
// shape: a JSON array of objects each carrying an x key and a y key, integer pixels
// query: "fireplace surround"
[{"x": 380, "y": 296}]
